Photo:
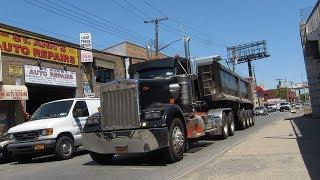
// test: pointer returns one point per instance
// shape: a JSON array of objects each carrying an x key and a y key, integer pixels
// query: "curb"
[{"x": 227, "y": 149}]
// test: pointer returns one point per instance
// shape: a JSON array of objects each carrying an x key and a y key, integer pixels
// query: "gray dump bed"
[{"x": 217, "y": 81}]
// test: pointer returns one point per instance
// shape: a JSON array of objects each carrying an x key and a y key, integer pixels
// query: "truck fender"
[
  {"x": 215, "y": 115},
  {"x": 169, "y": 112}
]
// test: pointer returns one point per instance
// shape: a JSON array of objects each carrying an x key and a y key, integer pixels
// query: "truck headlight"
[
  {"x": 152, "y": 114},
  {"x": 46, "y": 132}
]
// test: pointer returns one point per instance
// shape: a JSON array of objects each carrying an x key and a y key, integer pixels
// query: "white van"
[{"x": 55, "y": 128}]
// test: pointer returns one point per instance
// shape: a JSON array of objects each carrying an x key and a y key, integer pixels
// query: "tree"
[
  {"x": 281, "y": 93},
  {"x": 304, "y": 97}
]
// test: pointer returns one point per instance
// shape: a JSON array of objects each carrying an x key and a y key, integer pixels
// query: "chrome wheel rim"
[
  {"x": 177, "y": 139},
  {"x": 232, "y": 127},
  {"x": 225, "y": 128},
  {"x": 66, "y": 148}
]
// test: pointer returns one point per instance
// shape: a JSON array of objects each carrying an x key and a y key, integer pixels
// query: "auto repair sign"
[
  {"x": 49, "y": 76},
  {"x": 30, "y": 46}
]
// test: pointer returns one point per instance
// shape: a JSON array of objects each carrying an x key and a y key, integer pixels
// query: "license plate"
[
  {"x": 121, "y": 149},
  {"x": 39, "y": 147}
]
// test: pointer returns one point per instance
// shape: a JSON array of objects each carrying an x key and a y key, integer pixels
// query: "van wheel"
[
  {"x": 177, "y": 140},
  {"x": 22, "y": 158},
  {"x": 101, "y": 158},
  {"x": 232, "y": 127},
  {"x": 64, "y": 148}
]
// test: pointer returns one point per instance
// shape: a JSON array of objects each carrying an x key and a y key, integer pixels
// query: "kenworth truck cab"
[{"x": 166, "y": 103}]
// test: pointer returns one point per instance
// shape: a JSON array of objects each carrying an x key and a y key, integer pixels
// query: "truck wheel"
[
  {"x": 101, "y": 158},
  {"x": 247, "y": 115},
  {"x": 64, "y": 148},
  {"x": 242, "y": 120},
  {"x": 253, "y": 121},
  {"x": 22, "y": 158},
  {"x": 250, "y": 118},
  {"x": 232, "y": 127},
  {"x": 177, "y": 140},
  {"x": 225, "y": 126}
]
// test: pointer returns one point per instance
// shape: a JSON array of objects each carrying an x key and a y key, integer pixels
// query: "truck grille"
[
  {"x": 120, "y": 105},
  {"x": 26, "y": 136}
]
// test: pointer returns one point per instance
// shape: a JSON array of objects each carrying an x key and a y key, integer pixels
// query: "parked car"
[
  {"x": 5, "y": 155},
  {"x": 285, "y": 106},
  {"x": 272, "y": 107},
  {"x": 55, "y": 128},
  {"x": 260, "y": 111},
  {"x": 298, "y": 106}
]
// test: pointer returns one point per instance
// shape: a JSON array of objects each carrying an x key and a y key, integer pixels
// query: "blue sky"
[{"x": 213, "y": 25}]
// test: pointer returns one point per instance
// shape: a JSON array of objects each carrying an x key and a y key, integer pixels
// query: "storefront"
[
  {"x": 35, "y": 69},
  {"x": 48, "y": 84},
  {"x": 11, "y": 112},
  {"x": 47, "y": 69}
]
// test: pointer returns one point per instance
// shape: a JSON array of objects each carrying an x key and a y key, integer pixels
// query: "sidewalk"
[{"x": 287, "y": 149}]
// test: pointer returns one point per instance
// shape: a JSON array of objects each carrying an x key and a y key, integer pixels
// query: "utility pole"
[
  {"x": 279, "y": 86},
  {"x": 156, "y": 22},
  {"x": 255, "y": 84}
]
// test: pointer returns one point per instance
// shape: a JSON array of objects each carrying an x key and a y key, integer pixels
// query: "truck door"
[{"x": 82, "y": 115}]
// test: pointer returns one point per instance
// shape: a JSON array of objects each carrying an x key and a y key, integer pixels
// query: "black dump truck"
[{"x": 166, "y": 104}]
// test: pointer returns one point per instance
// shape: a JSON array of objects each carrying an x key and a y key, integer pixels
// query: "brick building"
[
  {"x": 35, "y": 69},
  {"x": 281, "y": 93},
  {"x": 131, "y": 50}
]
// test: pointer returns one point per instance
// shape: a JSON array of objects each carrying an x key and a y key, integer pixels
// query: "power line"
[
  {"x": 128, "y": 9},
  {"x": 71, "y": 17},
  {"x": 132, "y": 11},
  {"x": 115, "y": 30},
  {"x": 103, "y": 19},
  {"x": 180, "y": 22},
  {"x": 137, "y": 9}
]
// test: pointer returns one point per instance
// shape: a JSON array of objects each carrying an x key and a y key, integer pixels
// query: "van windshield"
[{"x": 52, "y": 110}]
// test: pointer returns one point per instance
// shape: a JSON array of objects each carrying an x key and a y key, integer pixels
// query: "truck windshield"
[
  {"x": 52, "y": 110},
  {"x": 163, "y": 73}
]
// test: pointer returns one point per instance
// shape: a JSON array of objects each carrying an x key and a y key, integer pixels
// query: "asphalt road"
[{"x": 81, "y": 167}]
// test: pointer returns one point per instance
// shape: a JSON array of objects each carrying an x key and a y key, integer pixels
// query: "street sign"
[
  {"x": 86, "y": 56},
  {"x": 86, "y": 43}
]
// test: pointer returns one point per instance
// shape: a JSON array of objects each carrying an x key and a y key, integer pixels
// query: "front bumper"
[
  {"x": 29, "y": 147},
  {"x": 126, "y": 141}
]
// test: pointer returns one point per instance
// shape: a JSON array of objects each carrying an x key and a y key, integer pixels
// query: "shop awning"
[{"x": 13, "y": 92}]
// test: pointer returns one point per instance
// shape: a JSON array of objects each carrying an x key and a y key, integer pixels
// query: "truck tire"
[
  {"x": 247, "y": 118},
  {"x": 253, "y": 120},
  {"x": 225, "y": 126},
  {"x": 241, "y": 120},
  {"x": 22, "y": 158},
  {"x": 101, "y": 158},
  {"x": 250, "y": 118},
  {"x": 232, "y": 127},
  {"x": 64, "y": 148},
  {"x": 176, "y": 142}
]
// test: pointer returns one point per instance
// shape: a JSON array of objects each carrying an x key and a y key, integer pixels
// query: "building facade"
[
  {"x": 309, "y": 33},
  {"x": 35, "y": 69},
  {"x": 129, "y": 49}
]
